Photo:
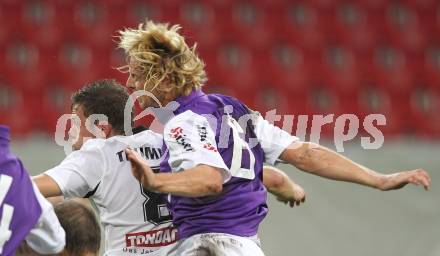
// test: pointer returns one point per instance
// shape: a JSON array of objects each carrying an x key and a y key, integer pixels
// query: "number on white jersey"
[
  {"x": 8, "y": 211},
  {"x": 237, "y": 169},
  {"x": 155, "y": 206}
]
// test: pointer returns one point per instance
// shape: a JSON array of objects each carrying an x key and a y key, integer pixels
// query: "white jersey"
[{"x": 136, "y": 221}]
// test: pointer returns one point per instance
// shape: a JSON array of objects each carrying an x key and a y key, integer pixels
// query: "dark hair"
[
  {"x": 83, "y": 234},
  {"x": 105, "y": 97}
]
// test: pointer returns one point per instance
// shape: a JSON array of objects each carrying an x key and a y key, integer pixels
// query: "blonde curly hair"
[{"x": 163, "y": 54}]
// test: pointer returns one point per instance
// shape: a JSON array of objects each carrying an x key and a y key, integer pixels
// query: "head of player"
[
  {"x": 160, "y": 62},
  {"x": 83, "y": 234},
  {"x": 95, "y": 98}
]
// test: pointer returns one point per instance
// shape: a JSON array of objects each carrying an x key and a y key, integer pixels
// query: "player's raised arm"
[
  {"x": 282, "y": 187},
  {"x": 319, "y": 160}
]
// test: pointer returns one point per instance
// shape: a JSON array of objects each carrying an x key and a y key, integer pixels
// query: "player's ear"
[{"x": 106, "y": 128}]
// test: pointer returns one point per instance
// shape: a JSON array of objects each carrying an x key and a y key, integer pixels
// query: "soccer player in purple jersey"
[
  {"x": 215, "y": 148},
  {"x": 24, "y": 213},
  {"x": 136, "y": 222}
]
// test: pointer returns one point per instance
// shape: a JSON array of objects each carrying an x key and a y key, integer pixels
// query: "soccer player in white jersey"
[
  {"x": 136, "y": 221},
  {"x": 215, "y": 147}
]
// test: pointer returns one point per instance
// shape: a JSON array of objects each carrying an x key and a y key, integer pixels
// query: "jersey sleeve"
[
  {"x": 273, "y": 139},
  {"x": 191, "y": 142},
  {"x": 47, "y": 236},
  {"x": 81, "y": 171}
]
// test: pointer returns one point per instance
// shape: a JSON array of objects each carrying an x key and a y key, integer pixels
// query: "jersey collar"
[{"x": 185, "y": 100}]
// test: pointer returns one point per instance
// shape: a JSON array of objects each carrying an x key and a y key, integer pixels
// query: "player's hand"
[
  {"x": 291, "y": 194},
  {"x": 401, "y": 179},
  {"x": 141, "y": 170}
]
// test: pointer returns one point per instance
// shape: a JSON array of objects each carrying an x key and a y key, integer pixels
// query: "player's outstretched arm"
[
  {"x": 282, "y": 187},
  {"x": 47, "y": 186},
  {"x": 324, "y": 162},
  {"x": 202, "y": 180}
]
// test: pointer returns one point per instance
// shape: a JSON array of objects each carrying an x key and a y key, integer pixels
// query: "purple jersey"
[
  {"x": 19, "y": 207},
  {"x": 241, "y": 206}
]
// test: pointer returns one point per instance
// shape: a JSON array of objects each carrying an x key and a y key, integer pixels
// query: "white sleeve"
[
  {"x": 273, "y": 139},
  {"x": 191, "y": 141},
  {"x": 47, "y": 236},
  {"x": 81, "y": 171}
]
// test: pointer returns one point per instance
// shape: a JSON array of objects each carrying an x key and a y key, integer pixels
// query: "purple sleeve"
[{"x": 19, "y": 207}]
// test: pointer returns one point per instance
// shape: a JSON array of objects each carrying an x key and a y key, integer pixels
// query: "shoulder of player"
[
  {"x": 143, "y": 138},
  {"x": 228, "y": 100},
  {"x": 187, "y": 118},
  {"x": 93, "y": 144},
  {"x": 98, "y": 144}
]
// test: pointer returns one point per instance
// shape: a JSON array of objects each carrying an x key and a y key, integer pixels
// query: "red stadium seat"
[
  {"x": 268, "y": 98},
  {"x": 390, "y": 67},
  {"x": 373, "y": 99},
  {"x": 421, "y": 5},
  {"x": 301, "y": 24},
  {"x": 199, "y": 23},
  {"x": 10, "y": 12},
  {"x": 425, "y": 106},
  {"x": 285, "y": 67},
  {"x": 18, "y": 109},
  {"x": 196, "y": 14},
  {"x": 351, "y": 26},
  {"x": 137, "y": 11},
  {"x": 93, "y": 16},
  {"x": 247, "y": 22},
  {"x": 233, "y": 66},
  {"x": 3, "y": 55},
  {"x": 323, "y": 6},
  {"x": 430, "y": 22},
  {"x": 322, "y": 101},
  {"x": 74, "y": 58},
  {"x": 5, "y": 31},
  {"x": 437, "y": 17},
  {"x": 338, "y": 67},
  {"x": 403, "y": 28},
  {"x": 40, "y": 23},
  {"x": 55, "y": 102},
  {"x": 432, "y": 65},
  {"x": 373, "y": 5},
  {"x": 24, "y": 64}
]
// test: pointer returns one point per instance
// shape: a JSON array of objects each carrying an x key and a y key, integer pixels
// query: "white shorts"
[{"x": 218, "y": 244}]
